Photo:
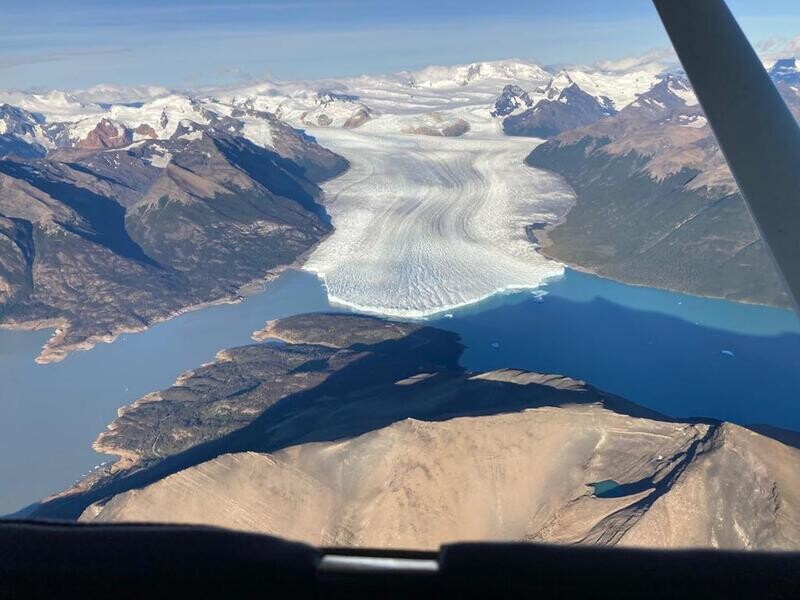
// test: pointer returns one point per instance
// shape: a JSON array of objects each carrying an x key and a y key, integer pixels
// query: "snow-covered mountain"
[
  {"x": 564, "y": 80},
  {"x": 22, "y": 132},
  {"x": 562, "y": 109},
  {"x": 437, "y": 77},
  {"x": 436, "y": 100},
  {"x": 672, "y": 93},
  {"x": 512, "y": 99},
  {"x": 517, "y": 96},
  {"x": 613, "y": 89},
  {"x": 785, "y": 70}
]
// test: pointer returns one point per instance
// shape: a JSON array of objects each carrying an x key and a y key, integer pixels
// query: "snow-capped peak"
[
  {"x": 438, "y": 77},
  {"x": 161, "y": 116},
  {"x": 671, "y": 93},
  {"x": 614, "y": 89},
  {"x": 785, "y": 70},
  {"x": 558, "y": 84},
  {"x": 681, "y": 88},
  {"x": 511, "y": 100},
  {"x": 24, "y": 127}
]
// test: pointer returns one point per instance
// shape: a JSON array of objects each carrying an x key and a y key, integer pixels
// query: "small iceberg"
[
  {"x": 728, "y": 353},
  {"x": 538, "y": 295},
  {"x": 495, "y": 345},
  {"x": 448, "y": 315}
]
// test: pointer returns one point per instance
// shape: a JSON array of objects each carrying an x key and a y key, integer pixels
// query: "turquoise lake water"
[{"x": 681, "y": 355}]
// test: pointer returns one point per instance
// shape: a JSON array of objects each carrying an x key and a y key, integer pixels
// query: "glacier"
[{"x": 426, "y": 224}]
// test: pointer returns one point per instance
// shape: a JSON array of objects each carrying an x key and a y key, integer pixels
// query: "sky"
[{"x": 47, "y": 44}]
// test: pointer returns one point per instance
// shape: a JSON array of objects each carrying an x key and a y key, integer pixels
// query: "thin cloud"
[
  {"x": 237, "y": 73},
  {"x": 779, "y": 47},
  {"x": 771, "y": 48},
  {"x": 17, "y": 60},
  {"x": 665, "y": 56}
]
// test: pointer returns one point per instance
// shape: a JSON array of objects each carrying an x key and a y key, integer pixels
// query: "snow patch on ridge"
[{"x": 258, "y": 131}]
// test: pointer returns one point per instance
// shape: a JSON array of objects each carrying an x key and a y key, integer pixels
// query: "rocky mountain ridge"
[
  {"x": 348, "y": 430},
  {"x": 656, "y": 203},
  {"x": 98, "y": 241}
]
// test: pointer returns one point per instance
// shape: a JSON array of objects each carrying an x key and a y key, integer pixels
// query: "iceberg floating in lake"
[{"x": 538, "y": 295}]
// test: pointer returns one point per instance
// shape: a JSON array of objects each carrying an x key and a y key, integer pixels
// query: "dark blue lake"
[{"x": 681, "y": 355}]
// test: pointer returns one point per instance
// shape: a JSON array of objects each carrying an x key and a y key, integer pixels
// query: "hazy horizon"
[{"x": 181, "y": 44}]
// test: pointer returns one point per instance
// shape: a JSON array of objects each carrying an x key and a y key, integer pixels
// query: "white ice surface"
[{"x": 427, "y": 224}]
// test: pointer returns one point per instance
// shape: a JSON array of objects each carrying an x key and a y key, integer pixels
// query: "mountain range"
[{"x": 120, "y": 207}]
